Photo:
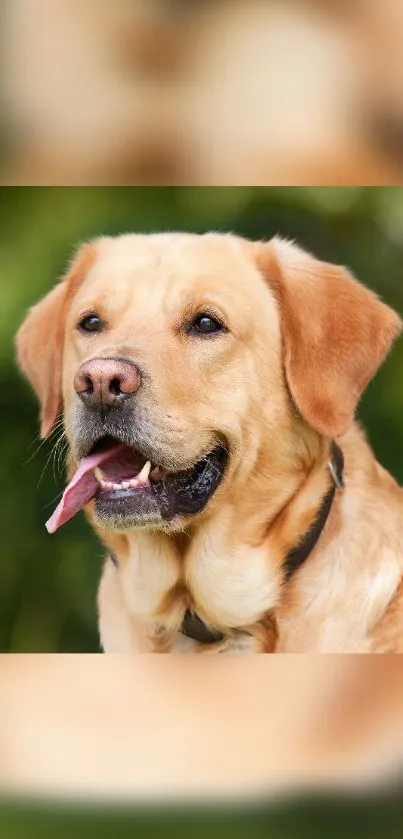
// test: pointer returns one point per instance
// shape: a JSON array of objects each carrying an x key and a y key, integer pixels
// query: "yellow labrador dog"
[{"x": 208, "y": 386}]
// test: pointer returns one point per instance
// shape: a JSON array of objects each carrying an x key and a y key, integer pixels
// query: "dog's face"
[{"x": 186, "y": 365}]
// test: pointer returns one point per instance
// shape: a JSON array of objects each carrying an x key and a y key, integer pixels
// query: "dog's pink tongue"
[{"x": 81, "y": 489}]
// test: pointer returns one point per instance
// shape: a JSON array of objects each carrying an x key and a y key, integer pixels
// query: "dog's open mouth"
[{"x": 131, "y": 491}]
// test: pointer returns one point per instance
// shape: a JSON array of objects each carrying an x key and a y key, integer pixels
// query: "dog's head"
[{"x": 184, "y": 363}]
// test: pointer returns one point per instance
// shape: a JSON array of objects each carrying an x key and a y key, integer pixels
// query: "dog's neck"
[
  {"x": 229, "y": 567},
  {"x": 339, "y": 595}
]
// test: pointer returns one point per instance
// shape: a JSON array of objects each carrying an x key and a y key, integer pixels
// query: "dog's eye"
[
  {"x": 205, "y": 324},
  {"x": 92, "y": 323}
]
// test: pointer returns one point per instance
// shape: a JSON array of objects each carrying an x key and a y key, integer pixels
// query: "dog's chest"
[{"x": 230, "y": 588}]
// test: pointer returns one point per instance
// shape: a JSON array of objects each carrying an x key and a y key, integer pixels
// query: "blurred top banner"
[{"x": 231, "y": 92}]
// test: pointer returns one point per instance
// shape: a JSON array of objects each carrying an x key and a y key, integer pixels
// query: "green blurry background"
[
  {"x": 374, "y": 816},
  {"x": 48, "y": 584}
]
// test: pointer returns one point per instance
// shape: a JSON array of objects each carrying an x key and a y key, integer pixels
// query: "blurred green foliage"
[
  {"x": 329, "y": 817},
  {"x": 48, "y": 584}
]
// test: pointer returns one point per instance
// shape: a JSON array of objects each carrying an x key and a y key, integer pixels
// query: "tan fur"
[{"x": 304, "y": 340}]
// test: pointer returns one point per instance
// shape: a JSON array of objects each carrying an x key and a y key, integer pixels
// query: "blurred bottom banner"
[{"x": 196, "y": 732}]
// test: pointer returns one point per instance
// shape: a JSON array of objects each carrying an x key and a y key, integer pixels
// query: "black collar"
[
  {"x": 193, "y": 626},
  {"x": 300, "y": 553}
]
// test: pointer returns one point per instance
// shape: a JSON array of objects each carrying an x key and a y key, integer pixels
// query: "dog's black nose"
[{"x": 104, "y": 382}]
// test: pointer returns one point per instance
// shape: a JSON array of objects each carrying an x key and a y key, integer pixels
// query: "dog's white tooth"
[
  {"x": 99, "y": 475},
  {"x": 117, "y": 486},
  {"x": 143, "y": 476},
  {"x": 126, "y": 484},
  {"x": 134, "y": 483}
]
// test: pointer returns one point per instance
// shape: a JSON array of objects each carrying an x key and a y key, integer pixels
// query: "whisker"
[
  {"x": 44, "y": 470},
  {"x": 42, "y": 443},
  {"x": 61, "y": 455},
  {"x": 58, "y": 452},
  {"x": 51, "y": 455},
  {"x": 38, "y": 436}
]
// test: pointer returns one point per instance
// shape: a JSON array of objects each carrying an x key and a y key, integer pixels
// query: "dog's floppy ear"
[
  {"x": 40, "y": 340},
  {"x": 335, "y": 333}
]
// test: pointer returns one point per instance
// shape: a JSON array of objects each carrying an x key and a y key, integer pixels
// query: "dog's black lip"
[{"x": 112, "y": 494}]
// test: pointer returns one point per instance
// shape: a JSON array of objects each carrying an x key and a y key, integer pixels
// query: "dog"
[{"x": 208, "y": 386}]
